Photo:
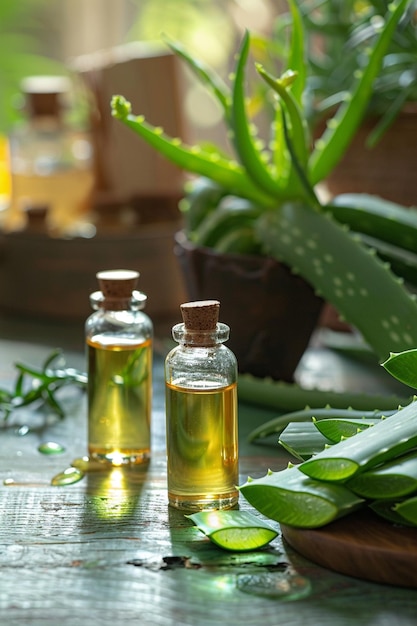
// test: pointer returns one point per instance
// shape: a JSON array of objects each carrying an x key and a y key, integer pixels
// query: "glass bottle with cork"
[
  {"x": 51, "y": 161},
  {"x": 201, "y": 412},
  {"x": 119, "y": 337}
]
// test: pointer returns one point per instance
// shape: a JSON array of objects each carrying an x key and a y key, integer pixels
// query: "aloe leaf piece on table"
[
  {"x": 336, "y": 429},
  {"x": 403, "y": 366},
  {"x": 302, "y": 440},
  {"x": 394, "y": 479},
  {"x": 386, "y": 440},
  {"x": 234, "y": 530},
  {"x": 290, "y": 497},
  {"x": 407, "y": 509}
]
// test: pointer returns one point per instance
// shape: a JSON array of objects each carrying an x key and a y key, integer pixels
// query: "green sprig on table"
[{"x": 39, "y": 385}]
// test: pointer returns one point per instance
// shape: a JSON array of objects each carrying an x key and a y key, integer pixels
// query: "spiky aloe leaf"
[
  {"x": 296, "y": 60},
  {"x": 209, "y": 163},
  {"x": 386, "y": 440},
  {"x": 282, "y": 396},
  {"x": 336, "y": 429},
  {"x": 377, "y": 217},
  {"x": 290, "y": 497},
  {"x": 364, "y": 291},
  {"x": 277, "y": 424},
  {"x": 403, "y": 366},
  {"x": 394, "y": 479},
  {"x": 299, "y": 129},
  {"x": 330, "y": 148},
  {"x": 254, "y": 161},
  {"x": 205, "y": 74}
]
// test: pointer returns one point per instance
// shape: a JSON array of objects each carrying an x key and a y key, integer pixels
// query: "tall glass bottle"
[
  {"x": 201, "y": 412},
  {"x": 119, "y": 344}
]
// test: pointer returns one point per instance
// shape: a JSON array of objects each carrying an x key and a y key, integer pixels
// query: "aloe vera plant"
[{"x": 262, "y": 199}]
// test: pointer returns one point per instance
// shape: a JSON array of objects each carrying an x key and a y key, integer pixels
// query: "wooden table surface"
[{"x": 108, "y": 550}]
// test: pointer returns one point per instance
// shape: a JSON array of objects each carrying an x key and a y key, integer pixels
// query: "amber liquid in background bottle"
[
  {"x": 50, "y": 162},
  {"x": 119, "y": 400},
  {"x": 119, "y": 352},
  {"x": 201, "y": 413}
]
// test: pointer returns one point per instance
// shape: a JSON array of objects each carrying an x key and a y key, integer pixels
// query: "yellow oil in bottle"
[
  {"x": 119, "y": 400},
  {"x": 66, "y": 193},
  {"x": 202, "y": 444}
]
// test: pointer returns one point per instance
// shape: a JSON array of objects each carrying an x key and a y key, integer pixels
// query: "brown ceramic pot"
[{"x": 271, "y": 312}]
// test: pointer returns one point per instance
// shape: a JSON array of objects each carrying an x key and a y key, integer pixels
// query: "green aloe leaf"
[
  {"x": 386, "y": 510},
  {"x": 408, "y": 510},
  {"x": 288, "y": 397},
  {"x": 296, "y": 60},
  {"x": 344, "y": 272},
  {"x": 302, "y": 440},
  {"x": 194, "y": 159},
  {"x": 341, "y": 428},
  {"x": 254, "y": 161},
  {"x": 205, "y": 74},
  {"x": 290, "y": 497},
  {"x": 394, "y": 479},
  {"x": 403, "y": 366},
  {"x": 386, "y": 440},
  {"x": 332, "y": 145},
  {"x": 377, "y": 217},
  {"x": 234, "y": 530}
]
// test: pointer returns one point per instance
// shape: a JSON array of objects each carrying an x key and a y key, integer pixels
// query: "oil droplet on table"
[
  {"x": 22, "y": 430},
  {"x": 280, "y": 585},
  {"x": 51, "y": 447},
  {"x": 68, "y": 477}
]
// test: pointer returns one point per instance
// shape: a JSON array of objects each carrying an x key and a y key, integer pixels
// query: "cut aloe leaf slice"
[
  {"x": 290, "y": 497},
  {"x": 337, "y": 429},
  {"x": 394, "y": 479},
  {"x": 386, "y": 440},
  {"x": 234, "y": 530},
  {"x": 302, "y": 440}
]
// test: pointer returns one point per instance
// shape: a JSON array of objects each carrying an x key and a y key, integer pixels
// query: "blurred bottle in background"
[{"x": 50, "y": 161}]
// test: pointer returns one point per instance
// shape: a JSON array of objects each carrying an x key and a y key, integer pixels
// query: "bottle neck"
[
  {"x": 201, "y": 338},
  {"x": 136, "y": 302}
]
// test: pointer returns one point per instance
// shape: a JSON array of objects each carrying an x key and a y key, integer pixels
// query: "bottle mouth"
[
  {"x": 198, "y": 337},
  {"x": 136, "y": 301}
]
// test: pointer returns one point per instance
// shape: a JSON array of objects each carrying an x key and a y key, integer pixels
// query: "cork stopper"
[
  {"x": 117, "y": 287},
  {"x": 200, "y": 320},
  {"x": 44, "y": 95}
]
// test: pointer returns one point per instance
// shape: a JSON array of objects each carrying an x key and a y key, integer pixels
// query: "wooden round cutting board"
[{"x": 362, "y": 545}]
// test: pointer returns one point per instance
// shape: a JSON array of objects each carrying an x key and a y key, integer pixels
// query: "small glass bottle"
[
  {"x": 201, "y": 412},
  {"x": 119, "y": 340},
  {"x": 50, "y": 161}
]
